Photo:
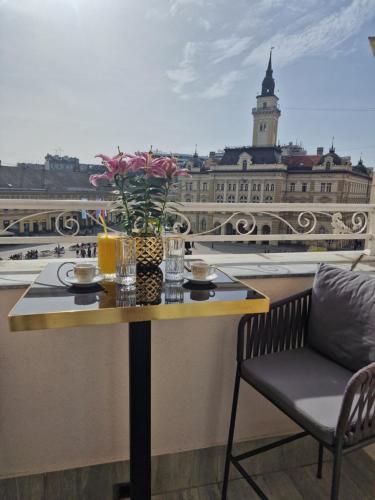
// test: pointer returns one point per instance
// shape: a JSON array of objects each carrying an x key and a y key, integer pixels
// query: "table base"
[{"x": 139, "y": 487}]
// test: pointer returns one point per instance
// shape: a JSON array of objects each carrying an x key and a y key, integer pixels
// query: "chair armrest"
[
  {"x": 283, "y": 328},
  {"x": 357, "y": 416}
]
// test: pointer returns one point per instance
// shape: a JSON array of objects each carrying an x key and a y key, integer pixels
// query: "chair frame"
[{"x": 284, "y": 328}]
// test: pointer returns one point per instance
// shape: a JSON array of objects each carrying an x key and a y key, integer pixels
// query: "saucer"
[
  {"x": 83, "y": 284},
  {"x": 204, "y": 281}
]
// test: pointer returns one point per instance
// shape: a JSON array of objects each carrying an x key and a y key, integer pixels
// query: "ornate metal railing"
[{"x": 205, "y": 222}]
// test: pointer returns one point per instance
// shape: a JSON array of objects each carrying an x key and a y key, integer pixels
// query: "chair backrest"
[
  {"x": 284, "y": 327},
  {"x": 341, "y": 323}
]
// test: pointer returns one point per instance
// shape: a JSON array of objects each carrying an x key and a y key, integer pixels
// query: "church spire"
[
  {"x": 269, "y": 67},
  {"x": 268, "y": 84}
]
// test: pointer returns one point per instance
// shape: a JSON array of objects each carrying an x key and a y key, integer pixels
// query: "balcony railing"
[{"x": 204, "y": 222}]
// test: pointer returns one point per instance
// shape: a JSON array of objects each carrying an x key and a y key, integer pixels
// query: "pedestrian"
[
  {"x": 77, "y": 253},
  {"x": 83, "y": 252},
  {"x": 94, "y": 251},
  {"x": 89, "y": 251}
]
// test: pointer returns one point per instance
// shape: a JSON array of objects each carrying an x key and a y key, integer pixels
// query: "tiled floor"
[
  {"x": 289, "y": 482},
  {"x": 357, "y": 483}
]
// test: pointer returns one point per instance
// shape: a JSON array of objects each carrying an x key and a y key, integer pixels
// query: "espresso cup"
[
  {"x": 201, "y": 294},
  {"x": 200, "y": 270},
  {"x": 84, "y": 273}
]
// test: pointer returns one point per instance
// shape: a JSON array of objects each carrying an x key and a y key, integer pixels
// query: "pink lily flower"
[{"x": 93, "y": 179}]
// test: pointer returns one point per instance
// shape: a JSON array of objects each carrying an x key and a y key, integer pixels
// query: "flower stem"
[
  {"x": 167, "y": 186},
  {"x": 125, "y": 202}
]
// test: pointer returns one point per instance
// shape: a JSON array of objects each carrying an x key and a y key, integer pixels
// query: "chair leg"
[
  {"x": 231, "y": 435},
  {"x": 337, "y": 461},
  {"x": 320, "y": 461}
]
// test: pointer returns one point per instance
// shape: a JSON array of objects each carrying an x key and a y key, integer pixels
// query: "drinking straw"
[{"x": 101, "y": 218}]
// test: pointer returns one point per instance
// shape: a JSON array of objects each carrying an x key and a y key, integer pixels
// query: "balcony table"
[{"x": 48, "y": 304}]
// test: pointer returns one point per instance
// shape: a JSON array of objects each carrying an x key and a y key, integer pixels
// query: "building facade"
[
  {"x": 268, "y": 173},
  {"x": 59, "y": 178}
]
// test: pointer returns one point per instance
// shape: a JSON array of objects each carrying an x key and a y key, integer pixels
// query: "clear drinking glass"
[
  {"x": 126, "y": 296},
  {"x": 126, "y": 261},
  {"x": 174, "y": 258},
  {"x": 174, "y": 293}
]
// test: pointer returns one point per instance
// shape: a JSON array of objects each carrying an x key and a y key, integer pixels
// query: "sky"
[{"x": 80, "y": 77}]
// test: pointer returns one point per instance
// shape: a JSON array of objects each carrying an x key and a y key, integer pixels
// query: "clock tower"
[{"x": 266, "y": 114}]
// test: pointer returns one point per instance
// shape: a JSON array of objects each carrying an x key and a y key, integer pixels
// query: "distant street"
[{"x": 199, "y": 248}]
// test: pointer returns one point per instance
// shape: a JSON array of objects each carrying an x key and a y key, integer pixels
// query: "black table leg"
[
  {"x": 140, "y": 409},
  {"x": 139, "y": 414}
]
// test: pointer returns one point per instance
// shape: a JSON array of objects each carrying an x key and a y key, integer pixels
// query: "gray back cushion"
[{"x": 342, "y": 318}]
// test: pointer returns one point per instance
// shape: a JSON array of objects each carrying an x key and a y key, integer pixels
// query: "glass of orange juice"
[{"x": 107, "y": 254}]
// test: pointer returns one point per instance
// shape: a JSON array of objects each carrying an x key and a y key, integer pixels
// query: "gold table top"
[{"x": 48, "y": 304}]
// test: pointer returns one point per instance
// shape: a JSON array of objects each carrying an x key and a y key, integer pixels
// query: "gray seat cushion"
[
  {"x": 304, "y": 384},
  {"x": 342, "y": 317}
]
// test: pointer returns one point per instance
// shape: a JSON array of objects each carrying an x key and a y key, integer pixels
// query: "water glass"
[
  {"x": 174, "y": 293},
  {"x": 174, "y": 258},
  {"x": 126, "y": 261},
  {"x": 126, "y": 296}
]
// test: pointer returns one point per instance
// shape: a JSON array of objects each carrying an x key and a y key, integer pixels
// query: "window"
[
  {"x": 222, "y": 187},
  {"x": 205, "y": 186},
  {"x": 203, "y": 225},
  {"x": 292, "y": 187},
  {"x": 244, "y": 164},
  {"x": 231, "y": 198},
  {"x": 328, "y": 187},
  {"x": 217, "y": 187},
  {"x": 264, "y": 105},
  {"x": 243, "y": 198},
  {"x": 328, "y": 165},
  {"x": 268, "y": 199},
  {"x": 234, "y": 187},
  {"x": 258, "y": 187},
  {"x": 254, "y": 187},
  {"x": 219, "y": 198},
  {"x": 323, "y": 187},
  {"x": 255, "y": 199},
  {"x": 229, "y": 187},
  {"x": 188, "y": 199},
  {"x": 272, "y": 187},
  {"x": 6, "y": 224},
  {"x": 304, "y": 187},
  {"x": 267, "y": 187}
]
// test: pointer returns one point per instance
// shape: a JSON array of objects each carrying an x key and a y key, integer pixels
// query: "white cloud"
[
  {"x": 185, "y": 73},
  {"x": 181, "y": 77},
  {"x": 222, "y": 86},
  {"x": 199, "y": 57},
  {"x": 177, "y": 5},
  {"x": 225, "y": 48},
  {"x": 204, "y": 23},
  {"x": 210, "y": 65},
  {"x": 321, "y": 37}
]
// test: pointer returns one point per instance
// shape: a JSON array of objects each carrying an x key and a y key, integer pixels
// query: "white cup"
[
  {"x": 84, "y": 273},
  {"x": 200, "y": 270}
]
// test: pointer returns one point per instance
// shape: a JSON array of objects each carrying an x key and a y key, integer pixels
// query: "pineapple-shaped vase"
[
  {"x": 149, "y": 286},
  {"x": 149, "y": 251}
]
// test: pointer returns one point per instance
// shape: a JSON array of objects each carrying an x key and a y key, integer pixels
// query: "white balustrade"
[{"x": 222, "y": 221}]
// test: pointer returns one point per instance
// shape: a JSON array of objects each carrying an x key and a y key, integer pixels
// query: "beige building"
[
  {"x": 262, "y": 174},
  {"x": 60, "y": 178}
]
